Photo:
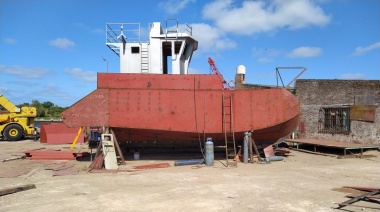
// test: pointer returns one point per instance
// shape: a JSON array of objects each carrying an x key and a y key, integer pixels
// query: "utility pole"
[{"x": 105, "y": 59}]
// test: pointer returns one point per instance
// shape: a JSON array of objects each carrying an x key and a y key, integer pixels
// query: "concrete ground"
[{"x": 301, "y": 182}]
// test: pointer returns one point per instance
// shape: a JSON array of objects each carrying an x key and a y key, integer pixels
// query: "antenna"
[{"x": 105, "y": 59}]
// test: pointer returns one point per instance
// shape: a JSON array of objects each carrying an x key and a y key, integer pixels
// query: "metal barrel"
[
  {"x": 245, "y": 158},
  {"x": 209, "y": 146},
  {"x": 188, "y": 162}
]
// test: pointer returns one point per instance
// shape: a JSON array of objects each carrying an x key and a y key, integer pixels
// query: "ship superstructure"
[{"x": 167, "y": 51}]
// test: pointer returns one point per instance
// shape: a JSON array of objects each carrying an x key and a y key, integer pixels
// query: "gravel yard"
[{"x": 301, "y": 182}]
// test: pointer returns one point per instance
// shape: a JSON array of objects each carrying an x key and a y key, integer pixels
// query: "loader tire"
[{"x": 13, "y": 132}]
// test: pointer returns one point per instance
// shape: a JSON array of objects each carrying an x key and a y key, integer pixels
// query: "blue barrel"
[
  {"x": 209, "y": 152},
  {"x": 188, "y": 162},
  {"x": 274, "y": 158}
]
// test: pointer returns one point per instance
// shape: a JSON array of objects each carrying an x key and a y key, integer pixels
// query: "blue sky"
[{"x": 52, "y": 50}]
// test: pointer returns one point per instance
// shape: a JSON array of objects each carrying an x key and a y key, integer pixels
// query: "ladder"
[
  {"x": 144, "y": 58},
  {"x": 228, "y": 129}
]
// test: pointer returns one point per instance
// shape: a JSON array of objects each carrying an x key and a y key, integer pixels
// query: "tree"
[
  {"x": 41, "y": 113},
  {"x": 25, "y": 104},
  {"x": 35, "y": 103},
  {"x": 47, "y": 104},
  {"x": 45, "y": 109}
]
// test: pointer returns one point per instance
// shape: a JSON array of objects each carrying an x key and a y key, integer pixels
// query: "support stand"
[{"x": 118, "y": 149}]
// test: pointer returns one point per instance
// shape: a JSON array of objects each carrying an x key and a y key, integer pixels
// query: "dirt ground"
[{"x": 301, "y": 182}]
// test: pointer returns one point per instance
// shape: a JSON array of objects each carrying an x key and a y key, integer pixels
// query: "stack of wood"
[{"x": 282, "y": 152}]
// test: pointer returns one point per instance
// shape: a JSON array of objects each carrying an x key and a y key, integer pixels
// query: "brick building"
[{"x": 342, "y": 110}]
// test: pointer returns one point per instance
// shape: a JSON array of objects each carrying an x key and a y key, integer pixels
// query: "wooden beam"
[
  {"x": 363, "y": 188},
  {"x": 76, "y": 138},
  {"x": 152, "y": 166},
  {"x": 12, "y": 190},
  {"x": 357, "y": 198},
  {"x": 256, "y": 150},
  {"x": 316, "y": 153},
  {"x": 360, "y": 206},
  {"x": 118, "y": 148}
]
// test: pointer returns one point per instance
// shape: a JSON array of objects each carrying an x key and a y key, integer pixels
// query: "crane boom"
[
  {"x": 8, "y": 105},
  {"x": 215, "y": 70}
]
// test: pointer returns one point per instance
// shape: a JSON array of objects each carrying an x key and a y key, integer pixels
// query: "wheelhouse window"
[
  {"x": 135, "y": 50},
  {"x": 334, "y": 120}
]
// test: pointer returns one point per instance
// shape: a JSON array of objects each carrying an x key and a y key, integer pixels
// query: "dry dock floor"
[{"x": 301, "y": 182}]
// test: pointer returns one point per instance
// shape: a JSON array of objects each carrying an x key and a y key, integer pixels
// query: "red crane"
[{"x": 215, "y": 70}]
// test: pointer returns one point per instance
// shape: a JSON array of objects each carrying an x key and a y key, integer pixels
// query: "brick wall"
[{"x": 315, "y": 94}]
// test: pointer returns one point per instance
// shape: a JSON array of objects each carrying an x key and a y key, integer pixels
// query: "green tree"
[
  {"x": 41, "y": 113},
  {"x": 45, "y": 109},
  {"x": 25, "y": 104},
  {"x": 47, "y": 104},
  {"x": 35, "y": 103}
]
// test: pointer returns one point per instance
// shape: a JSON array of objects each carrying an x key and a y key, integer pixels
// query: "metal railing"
[
  {"x": 121, "y": 33},
  {"x": 334, "y": 120},
  {"x": 131, "y": 32},
  {"x": 189, "y": 29},
  {"x": 172, "y": 27}
]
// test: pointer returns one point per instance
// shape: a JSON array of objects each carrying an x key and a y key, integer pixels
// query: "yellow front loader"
[{"x": 15, "y": 123}]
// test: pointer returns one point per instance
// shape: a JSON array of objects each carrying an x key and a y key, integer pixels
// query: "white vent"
[{"x": 240, "y": 69}]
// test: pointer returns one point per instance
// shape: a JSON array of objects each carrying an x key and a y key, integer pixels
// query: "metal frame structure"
[
  {"x": 278, "y": 75},
  {"x": 330, "y": 144},
  {"x": 121, "y": 35}
]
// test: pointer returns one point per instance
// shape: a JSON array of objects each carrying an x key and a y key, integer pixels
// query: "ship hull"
[
  {"x": 154, "y": 110},
  {"x": 158, "y": 138}
]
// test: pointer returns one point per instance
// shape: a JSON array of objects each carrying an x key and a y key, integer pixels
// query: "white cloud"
[
  {"x": 97, "y": 31},
  {"x": 352, "y": 76},
  {"x": 264, "y": 75},
  {"x": 196, "y": 71},
  {"x": 172, "y": 7},
  {"x": 305, "y": 51},
  {"x": 144, "y": 33},
  {"x": 25, "y": 72},
  {"x": 4, "y": 89},
  {"x": 268, "y": 55},
  {"x": 87, "y": 76},
  {"x": 62, "y": 43},
  {"x": 263, "y": 16},
  {"x": 362, "y": 50},
  {"x": 84, "y": 27},
  {"x": 10, "y": 41},
  {"x": 81, "y": 26},
  {"x": 211, "y": 39},
  {"x": 53, "y": 93},
  {"x": 27, "y": 83},
  {"x": 265, "y": 55},
  {"x": 52, "y": 90},
  {"x": 264, "y": 60}
]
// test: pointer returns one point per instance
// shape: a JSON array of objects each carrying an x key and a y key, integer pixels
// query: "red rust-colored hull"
[
  {"x": 59, "y": 133},
  {"x": 178, "y": 109}
]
